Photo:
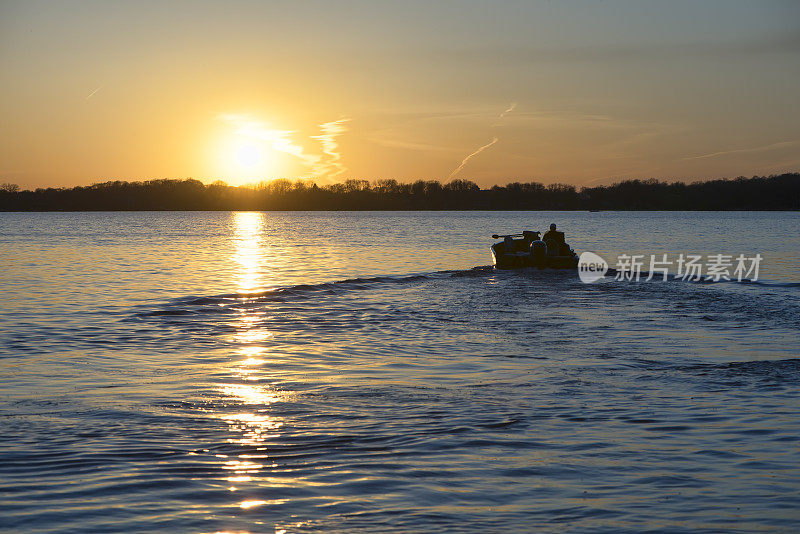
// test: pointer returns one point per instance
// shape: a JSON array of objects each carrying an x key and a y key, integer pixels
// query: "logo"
[
  {"x": 634, "y": 267},
  {"x": 591, "y": 267}
]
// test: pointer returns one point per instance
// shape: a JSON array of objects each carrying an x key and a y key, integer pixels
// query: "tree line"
[{"x": 776, "y": 192}]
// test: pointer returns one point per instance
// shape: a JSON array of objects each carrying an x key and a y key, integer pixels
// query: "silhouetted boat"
[{"x": 527, "y": 250}]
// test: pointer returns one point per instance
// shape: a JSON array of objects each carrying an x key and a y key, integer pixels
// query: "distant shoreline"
[
  {"x": 773, "y": 193},
  {"x": 395, "y": 211}
]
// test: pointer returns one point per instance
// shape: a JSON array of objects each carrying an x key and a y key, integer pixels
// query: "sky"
[{"x": 576, "y": 92}]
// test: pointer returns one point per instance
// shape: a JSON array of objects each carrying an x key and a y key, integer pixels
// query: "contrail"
[
  {"x": 465, "y": 160},
  {"x": 508, "y": 110},
  {"x": 745, "y": 150},
  {"x": 90, "y": 95}
]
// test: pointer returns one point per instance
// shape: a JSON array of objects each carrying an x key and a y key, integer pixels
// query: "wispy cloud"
[
  {"x": 330, "y": 147},
  {"x": 325, "y": 165},
  {"x": 410, "y": 145},
  {"x": 763, "y": 148},
  {"x": 280, "y": 140}
]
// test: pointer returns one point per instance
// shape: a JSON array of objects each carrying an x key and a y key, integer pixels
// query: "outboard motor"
[
  {"x": 530, "y": 236},
  {"x": 538, "y": 251}
]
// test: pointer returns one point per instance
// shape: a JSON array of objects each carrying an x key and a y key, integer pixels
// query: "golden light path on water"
[
  {"x": 248, "y": 253},
  {"x": 248, "y": 390}
]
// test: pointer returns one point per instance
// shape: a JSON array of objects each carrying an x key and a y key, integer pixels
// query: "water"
[{"x": 298, "y": 372}]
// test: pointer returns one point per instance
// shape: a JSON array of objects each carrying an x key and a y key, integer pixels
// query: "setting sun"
[
  {"x": 248, "y": 155},
  {"x": 240, "y": 159}
]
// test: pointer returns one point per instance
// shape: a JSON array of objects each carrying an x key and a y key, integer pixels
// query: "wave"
[
  {"x": 612, "y": 273},
  {"x": 232, "y": 302},
  {"x": 187, "y": 305}
]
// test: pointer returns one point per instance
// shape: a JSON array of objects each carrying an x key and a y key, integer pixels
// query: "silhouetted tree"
[{"x": 780, "y": 192}]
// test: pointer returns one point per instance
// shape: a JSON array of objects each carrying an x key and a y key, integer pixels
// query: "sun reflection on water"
[
  {"x": 251, "y": 361},
  {"x": 247, "y": 394},
  {"x": 248, "y": 253},
  {"x": 248, "y": 388}
]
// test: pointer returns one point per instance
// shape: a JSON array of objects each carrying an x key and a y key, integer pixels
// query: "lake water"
[{"x": 299, "y": 372}]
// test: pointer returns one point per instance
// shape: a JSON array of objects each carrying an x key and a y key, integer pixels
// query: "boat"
[{"x": 517, "y": 251}]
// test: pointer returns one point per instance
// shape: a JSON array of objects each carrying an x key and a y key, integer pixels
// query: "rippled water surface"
[{"x": 297, "y": 372}]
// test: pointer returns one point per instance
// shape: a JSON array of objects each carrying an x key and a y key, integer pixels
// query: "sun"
[
  {"x": 248, "y": 151},
  {"x": 240, "y": 160},
  {"x": 249, "y": 155}
]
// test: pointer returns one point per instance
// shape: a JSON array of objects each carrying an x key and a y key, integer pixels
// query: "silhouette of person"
[
  {"x": 555, "y": 241},
  {"x": 552, "y": 234}
]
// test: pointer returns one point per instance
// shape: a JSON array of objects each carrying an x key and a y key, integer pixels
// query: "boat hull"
[{"x": 521, "y": 260}]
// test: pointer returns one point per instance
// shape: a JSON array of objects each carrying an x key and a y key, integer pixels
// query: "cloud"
[
  {"x": 330, "y": 131},
  {"x": 326, "y": 165},
  {"x": 763, "y": 148},
  {"x": 404, "y": 129}
]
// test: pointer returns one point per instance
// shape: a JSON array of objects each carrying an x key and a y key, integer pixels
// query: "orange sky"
[{"x": 576, "y": 92}]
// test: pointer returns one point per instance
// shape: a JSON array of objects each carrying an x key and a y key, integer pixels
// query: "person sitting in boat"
[
  {"x": 554, "y": 241},
  {"x": 552, "y": 233}
]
